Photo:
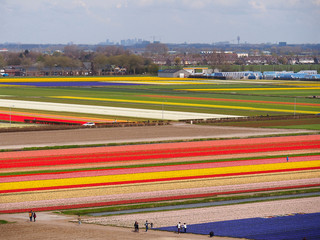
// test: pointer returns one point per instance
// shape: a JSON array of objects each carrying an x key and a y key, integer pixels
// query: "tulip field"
[
  {"x": 131, "y": 96},
  {"x": 114, "y": 175}
]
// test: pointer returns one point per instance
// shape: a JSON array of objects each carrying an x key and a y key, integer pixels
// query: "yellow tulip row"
[
  {"x": 191, "y": 104},
  {"x": 155, "y": 186},
  {"x": 154, "y": 176}
]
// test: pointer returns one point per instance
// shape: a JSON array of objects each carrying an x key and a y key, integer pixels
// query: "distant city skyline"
[{"x": 167, "y": 21}]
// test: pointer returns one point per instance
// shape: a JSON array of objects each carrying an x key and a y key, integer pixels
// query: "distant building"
[
  {"x": 306, "y": 60},
  {"x": 172, "y": 52},
  {"x": 198, "y": 70},
  {"x": 242, "y": 55},
  {"x": 173, "y": 73},
  {"x": 282, "y": 44},
  {"x": 14, "y": 71},
  {"x": 206, "y": 52}
]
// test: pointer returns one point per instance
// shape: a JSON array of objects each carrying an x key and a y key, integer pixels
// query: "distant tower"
[{"x": 238, "y": 38}]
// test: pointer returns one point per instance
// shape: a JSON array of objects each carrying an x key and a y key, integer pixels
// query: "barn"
[{"x": 173, "y": 73}]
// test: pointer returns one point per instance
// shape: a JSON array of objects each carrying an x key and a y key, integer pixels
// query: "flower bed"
[
  {"x": 157, "y": 154},
  {"x": 89, "y": 188}
]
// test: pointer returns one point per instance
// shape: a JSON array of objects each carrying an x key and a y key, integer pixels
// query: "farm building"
[
  {"x": 173, "y": 73},
  {"x": 199, "y": 70}
]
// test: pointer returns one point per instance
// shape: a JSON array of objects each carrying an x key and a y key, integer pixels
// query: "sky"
[{"x": 167, "y": 21}]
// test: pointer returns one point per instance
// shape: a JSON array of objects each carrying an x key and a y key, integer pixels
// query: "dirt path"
[
  {"x": 178, "y": 131},
  {"x": 52, "y": 226}
]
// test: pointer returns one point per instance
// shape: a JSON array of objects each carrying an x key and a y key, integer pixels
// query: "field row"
[
  {"x": 14, "y": 116},
  {"x": 124, "y": 184},
  {"x": 251, "y": 106},
  {"x": 164, "y": 175},
  {"x": 132, "y": 155}
]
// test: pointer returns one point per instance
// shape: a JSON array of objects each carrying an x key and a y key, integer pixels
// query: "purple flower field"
[
  {"x": 69, "y": 84},
  {"x": 293, "y": 227}
]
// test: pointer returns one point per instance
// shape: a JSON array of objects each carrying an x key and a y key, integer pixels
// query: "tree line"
[{"x": 104, "y": 58}]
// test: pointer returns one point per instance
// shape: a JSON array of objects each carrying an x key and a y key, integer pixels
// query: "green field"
[{"x": 308, "y": 122}]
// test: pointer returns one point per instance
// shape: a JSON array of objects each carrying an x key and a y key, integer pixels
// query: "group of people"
[
  {"x": 181, "y": 228},
  {"x": 32, "y": 215},
  {"x": 136, "y": 226}
]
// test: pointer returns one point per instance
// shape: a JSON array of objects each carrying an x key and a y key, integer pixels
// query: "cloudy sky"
[{"x": 168, "y": 21}]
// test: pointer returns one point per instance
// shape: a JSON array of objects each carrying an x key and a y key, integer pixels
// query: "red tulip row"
[
  {"x": 161, "y": 151},
  {"x": 159, "y": 154},
  {"x": 58, "y": 174},
  {"x": 77, "y": 152},
  {"x": 19, "y": 118}
]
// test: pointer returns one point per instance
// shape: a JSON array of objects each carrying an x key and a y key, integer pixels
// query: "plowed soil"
[{"x": 177, "y": 131}]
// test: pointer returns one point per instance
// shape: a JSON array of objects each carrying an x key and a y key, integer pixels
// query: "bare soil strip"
[{"x": 18, "y": 140}]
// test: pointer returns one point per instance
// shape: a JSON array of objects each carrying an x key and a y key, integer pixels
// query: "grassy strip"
[
  {"x": 308, "y": 127},
  {"x": 62, "y": 147},
  {"x": 155, "y": 164},
  {"x": 3, "y": 222},
  {"x": 305, "y": 123},
  {"x": 53, "y": 147},
  {"x": 185, "y": 202}
]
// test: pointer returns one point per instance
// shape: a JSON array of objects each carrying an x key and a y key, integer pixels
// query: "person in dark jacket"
[{"x": 34, "y": 215}]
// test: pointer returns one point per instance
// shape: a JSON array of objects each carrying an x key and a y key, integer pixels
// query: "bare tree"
[
  {"x": 157, "y": 48},
  {"x": 111, "y": 50},
  {"x": 72, "y": 51},
  {"x": 2, "y": 61}
]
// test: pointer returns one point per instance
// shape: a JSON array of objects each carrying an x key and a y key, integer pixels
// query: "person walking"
[
  {"x": 136, "y": 226},
  {"x": 147, "y": 225},
  {"x": 179, "y": 227},
  {"x": 79, "y": 219},
  {"x": 34, "y": 215},
  {"x": 184, "y": 227},
  {"x": 30, "y": 215}
]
